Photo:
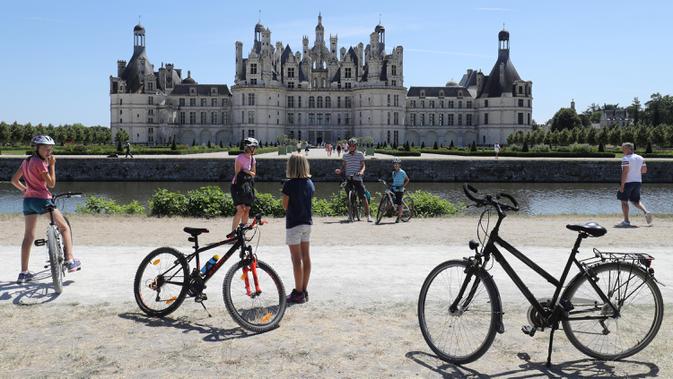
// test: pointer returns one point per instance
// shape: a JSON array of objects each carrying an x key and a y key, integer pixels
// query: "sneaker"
[
  {"x": 296, "y": 297},
  {"x": 648, "y": 218},
  {"x": 25, "y": 277},
  {"x": 397, "y": 220},
  {"x": 369, "y": 218},
  {"x": 623, "y": 224},
  {"x": 74, "y": 265}
]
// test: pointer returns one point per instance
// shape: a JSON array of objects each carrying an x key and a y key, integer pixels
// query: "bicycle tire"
[
  {"x": 383, "y": 209},
  {"x": 491, "y": 305},
  {"x": 173, "y": 301},
  {"x": 350, "y": 205},
  {"x": 407, "y": 208},
  {"x": 243, "y": 318},
  {"x": 55, "y": 258},
  {"x": 577, "y": 336}
]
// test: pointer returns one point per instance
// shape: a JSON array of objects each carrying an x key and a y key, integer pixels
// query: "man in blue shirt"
[{"x": 399, "y": 184}]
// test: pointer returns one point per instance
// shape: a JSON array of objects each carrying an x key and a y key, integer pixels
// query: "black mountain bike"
[
  {"x": 387, "y": 206},
  {"x": 610, "y": 310},
  {"x": 352, "y": 199},
  {"x": 253, "y": 293}
]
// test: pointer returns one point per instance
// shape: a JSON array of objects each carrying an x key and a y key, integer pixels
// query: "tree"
[
  {"x": 592, "y": 137},
  {"x": 122, "y": 136},
  {"x": 473, "y": 147},
  {"x": 209, "y": 145},
  {"x": 5, "y": 134},
  {"x": 194, "y": 143},
  {"x": 648, "y": 150},
  {"x": 525, "y": 147},
  {"x": 603, "y": 136},
  {"x": 634, "y": 111},
  {"x": 565, "y": 118},
  {"x": 451, "y": 145},
  {"x": 641, "y": 136}
]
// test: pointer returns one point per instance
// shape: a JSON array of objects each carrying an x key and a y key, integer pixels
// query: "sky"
[{"x": 56, "y": 56}]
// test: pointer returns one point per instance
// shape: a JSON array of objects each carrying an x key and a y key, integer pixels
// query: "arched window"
[
  {"x": 328, "y": 102},
  {"x": 319, "y": 101},
  {"x": 311, "y": 102}
]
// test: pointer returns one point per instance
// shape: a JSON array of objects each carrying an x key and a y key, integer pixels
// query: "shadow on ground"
[
  {"x": 211, "y": 333},
  {"x": 572, "y": 369},
  {"x": 38, "y": 291}
]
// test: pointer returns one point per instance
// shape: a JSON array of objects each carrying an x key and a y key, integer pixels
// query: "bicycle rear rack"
[{"x": 641, "y": 259}]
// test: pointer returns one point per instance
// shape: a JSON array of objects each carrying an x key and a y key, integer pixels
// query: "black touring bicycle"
[{"x": 610, "y": 310}]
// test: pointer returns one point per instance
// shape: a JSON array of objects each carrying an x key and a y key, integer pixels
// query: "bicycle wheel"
[
  {"x": 56, "y": 259},
  {"x": 161, "y": 282},
  {"x": 262, "y": 309},
  {"x": 383, "y": 208},
  {"x": 407, "y": 208},
  {"x": 351, "y": 206},
  {"x": 638, "y": 299},
  {"x": 464, "y": 335}
]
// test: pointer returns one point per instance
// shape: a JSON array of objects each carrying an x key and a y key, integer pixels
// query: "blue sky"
[{"x": 56, "y": 56}]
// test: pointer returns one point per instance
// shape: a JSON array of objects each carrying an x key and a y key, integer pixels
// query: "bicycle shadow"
[
  {"x": 579, "y": 368},
  {"x": 35, "y": 292},
  {"x": 211, "y": 333}
]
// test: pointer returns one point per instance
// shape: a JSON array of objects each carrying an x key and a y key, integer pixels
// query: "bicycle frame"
[{"x": 490, "y": 249}]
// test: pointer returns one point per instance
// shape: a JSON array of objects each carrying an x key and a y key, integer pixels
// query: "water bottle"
[{"x": 211, "y": 262}]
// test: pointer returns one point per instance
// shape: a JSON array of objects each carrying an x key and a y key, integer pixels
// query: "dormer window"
[
  {"x": 192, "y": 91},
  {"x": 213, "y": 91},
  {"x": 441, "y": 94},
  {"x": 422, "y": 94},
  {"x": 460, "y": 94}
]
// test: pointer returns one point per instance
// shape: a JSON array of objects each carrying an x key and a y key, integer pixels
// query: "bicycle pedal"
[
  {"x": 201, "y": 298},
  {"x": 529, "y": 330},
  {"x": 40, "y": 242}
]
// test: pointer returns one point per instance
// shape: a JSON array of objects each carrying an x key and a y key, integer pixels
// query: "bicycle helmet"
[
  {"x": 42, "y": 140},
  {"x": 250, "y": 142},
  {"x": 397, "y": 160},
  {"x": 352, "y": 141}
]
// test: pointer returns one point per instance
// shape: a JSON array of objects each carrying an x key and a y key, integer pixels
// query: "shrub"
[
  {"x": 429, "y": 205},
  {"x": 267, "y": 205},
  {"x": 540, "y": 149},
  {"x": 166, "y": 203},
  {"x": 580, "y": 148},
  {"x": 101, "y": 205},
  {"x": 209, "y": 201}
]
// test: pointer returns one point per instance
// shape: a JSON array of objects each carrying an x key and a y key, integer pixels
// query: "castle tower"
[
  {"x": 138, "y": 38},
  {"x": 333, "y": 45},
  {"x": 319, "y": 32}
]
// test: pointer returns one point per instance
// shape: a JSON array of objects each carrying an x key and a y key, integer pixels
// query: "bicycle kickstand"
[
  {"x": 551, "y": 342},
  {"x": 200, "y": 299}
]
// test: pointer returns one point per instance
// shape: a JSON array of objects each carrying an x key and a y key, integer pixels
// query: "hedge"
[{"x": 399, "y": 153}]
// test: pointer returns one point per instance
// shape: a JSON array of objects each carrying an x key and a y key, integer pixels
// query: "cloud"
[
  {"x": 492, "y": 9},
  {"x": 444, "y": 52}
]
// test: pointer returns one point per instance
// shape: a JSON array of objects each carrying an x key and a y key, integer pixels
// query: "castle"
[{"x": 322, "y": 93}]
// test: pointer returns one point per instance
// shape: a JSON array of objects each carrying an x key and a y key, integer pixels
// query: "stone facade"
[{"x": 319, "y": 94}]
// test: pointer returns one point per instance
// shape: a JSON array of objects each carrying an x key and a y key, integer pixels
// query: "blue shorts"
[
  {"x": 631, "y": 192},
  {"x": 35, "y": 206}
]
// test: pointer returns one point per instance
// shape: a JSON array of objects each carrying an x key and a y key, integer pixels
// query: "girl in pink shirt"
[
  {"x": 242, "y": 184},
  {"x": 38, "y": 174}
]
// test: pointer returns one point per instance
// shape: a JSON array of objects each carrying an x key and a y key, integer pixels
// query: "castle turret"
[
  {"x": 319, "y": 32},
  {"x": 333, "y": 45}
]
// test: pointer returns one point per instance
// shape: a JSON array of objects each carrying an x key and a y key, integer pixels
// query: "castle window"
[
  {"x": 432, "y": 104},
  {"x": 225, "y": 118},
  {"x": 460, "y": 119},
  {"x": 348, "y": 101},
  {"x": 203, "y": 102},
  {"x": 290, "y": 101},
  {"x": 449, "y": 120},
  {"x": 460, "y": 104},
  {"x": 192, "y": 91},
  {"x": 120, "y": 101},
  {"x": 396, "y": 100},
  {"x": 451, "y": 104},
  {"x": 422, "y": 119},
  {"x": 253, "y": 81},
  {"x": 520, "y": 90},
  {"x": 441, "y": 94},
  {"x": 253, "y": 68},
  {"x": 441, "y": 103},
  {"x": 311, "y": 118},
  {"x": 460, "y": 94},
  {"x": 422, "y": 94},
  {"x": 182, "y": 117},
  {"x": 290, "y": 85},
  {"x": 213, "y": 118},
  {"x": 432, "y": 119},
  {"x": 319, "y": 101},
  {"x": 422, "y": 103},
  {"x": 485, "y": 118},
  {"x": 520, "y": 118},
  {"x": 251, "y": 133},
  {"x": 393, "y": 70},
  {"x": 251, "y": 117},
  {"x": 213, "y": 91},
  {"x": 468, "y": 120},
  {"x": 529, "y": 103},
  {"x": 348, "y": 85},
  {"x": 328, "y": 102},
  {"x": 242, "y": 117},
  {"x": 347, "y": 72},
  {"x": 203, "y": 118},
  {"x": 396, "y": 118},
  {"x": 485, "y": 103},
  {"x": 469, "y": 104},
  {"x": 520, "y": 102},
  {"x": 528, "y": 118},
  {"x": 388, "y": 122},
  {"x": 290, "y": 118},
  {"x": 413, "y": 103},
  {"x": 298, "y": 101},
  {"x": 290, "y": 72},
  {"x": 311, "y": 102},
  {"x": 388, "y": 103},
  {"x": 394, "y": 84},
  {"x": 120, "y": 111},
  {"x": 192, "y": 118},
  {"x": 192, "y": 102},
  {"x": 441, "y": 119},
  {"x": 251, "y": 99},
  {"x": 339, "y": 102},
  {"x": 213, "y": 102},
  {"x": 182, "y": 102}
]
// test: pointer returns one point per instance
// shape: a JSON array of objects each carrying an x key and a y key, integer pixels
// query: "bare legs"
[
  {"x": 301, "y": 265},
  {"x": 625, "y": 208},
  {"x": 241, "y": 216},
  {"x": 29, "y": 237}
]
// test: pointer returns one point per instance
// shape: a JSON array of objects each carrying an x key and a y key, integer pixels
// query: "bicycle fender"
[{"x": 500, "y": 325}]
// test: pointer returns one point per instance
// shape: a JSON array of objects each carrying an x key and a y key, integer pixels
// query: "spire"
[{"x": 319, "y": 26}]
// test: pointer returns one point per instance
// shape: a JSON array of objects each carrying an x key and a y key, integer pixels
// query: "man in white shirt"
[{"x": 633, "y": 168}]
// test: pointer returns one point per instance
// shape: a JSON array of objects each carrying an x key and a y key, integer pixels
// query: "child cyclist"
[
  {"x": 297, "y": 194},
  {"x": 398, "y": 185},
  {"x": 38, "y": 172}
]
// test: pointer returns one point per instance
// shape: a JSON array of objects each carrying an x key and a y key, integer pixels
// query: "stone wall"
[{"x": 445, "y": 170}]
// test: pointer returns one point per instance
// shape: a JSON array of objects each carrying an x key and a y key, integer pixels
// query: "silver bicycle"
[{"x": 54, "y": 241}]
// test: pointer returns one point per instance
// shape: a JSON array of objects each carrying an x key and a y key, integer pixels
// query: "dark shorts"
[
  {"x": 398, "y": 197},
  {"x": 35, "y": 206},
  {"x": 631, "y": 192},
  {"x": 359, "y": 188},
  {"x": 242, "y": 195}
]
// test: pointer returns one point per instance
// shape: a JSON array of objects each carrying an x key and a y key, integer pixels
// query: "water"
[{"x": 534, "y": 198}]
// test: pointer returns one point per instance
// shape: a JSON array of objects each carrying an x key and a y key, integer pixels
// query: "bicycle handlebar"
[
  {"x": 67, "y": 195},
  {"x": 470, "y": 193}
]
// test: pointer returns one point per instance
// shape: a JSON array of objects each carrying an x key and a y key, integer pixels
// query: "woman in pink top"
[
  {"x": 38, "y": 173},
  {"x": 242, "y": 184}
]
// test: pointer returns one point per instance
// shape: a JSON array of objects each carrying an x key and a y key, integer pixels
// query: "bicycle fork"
[{"x": 246, "y": 278}]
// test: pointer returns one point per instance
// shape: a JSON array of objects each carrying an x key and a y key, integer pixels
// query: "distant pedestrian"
[
  {"x": 306, "y": 148},
  {"x": 128, "y": 150},
  {"x": 338, "y": 150},
  {"x": 297, "y": 194},
  {"x": 243, "y": 182},
  {"x": 299, "y": 146},
  {"x": 633, "y": 167},
  {"x": 496, "y": 148}
]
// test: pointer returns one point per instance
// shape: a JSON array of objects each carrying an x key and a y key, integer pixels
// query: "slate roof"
[
  {"x": 495, "y": 85},
  {"x": 201, "y": 89},
  {"x": 434, "y": 91}
]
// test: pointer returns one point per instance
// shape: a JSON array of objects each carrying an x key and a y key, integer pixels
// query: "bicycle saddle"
[
  {"x": 590, "y": 228},
  {"x": 195, "y": 231}
]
